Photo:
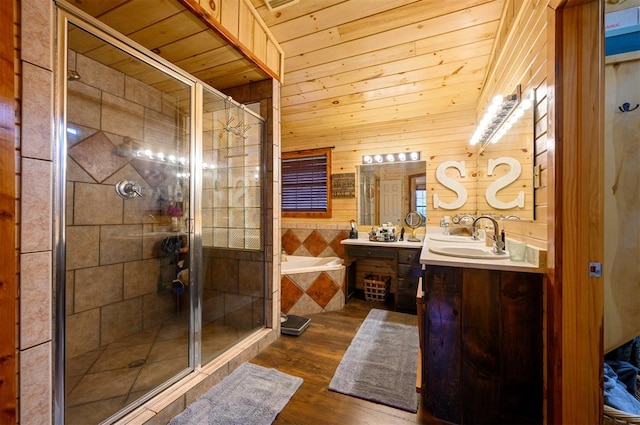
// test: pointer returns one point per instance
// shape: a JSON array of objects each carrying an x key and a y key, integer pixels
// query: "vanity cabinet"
[
  {"x": 408, "y": 274},
  {"x": 401, "y": 264},
  {"x": 482, "y": 345}
]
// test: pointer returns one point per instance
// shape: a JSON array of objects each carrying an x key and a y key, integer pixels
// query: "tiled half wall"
[{"x": 313, "y": 292}]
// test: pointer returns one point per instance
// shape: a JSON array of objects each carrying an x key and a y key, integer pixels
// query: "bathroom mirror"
[
  {"x": 501, "y": 188},
  {"x": 387, "y": 192},
  {"x": 504, "y": 182}
]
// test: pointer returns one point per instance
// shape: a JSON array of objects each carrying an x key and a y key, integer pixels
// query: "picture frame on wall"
[{"x": 343, "y": 185}]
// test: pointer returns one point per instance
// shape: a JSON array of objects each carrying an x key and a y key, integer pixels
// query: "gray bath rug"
[
  {"x": 380, "y": 364},
  {"x": 251, "y": 395}
]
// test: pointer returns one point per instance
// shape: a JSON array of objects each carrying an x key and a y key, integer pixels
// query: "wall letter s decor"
[
  {"x": 502, "y": 182},
  {"x": 452, "y": 184}
]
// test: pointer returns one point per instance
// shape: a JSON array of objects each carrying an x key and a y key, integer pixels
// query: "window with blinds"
[{"x": 306, "y": 183}]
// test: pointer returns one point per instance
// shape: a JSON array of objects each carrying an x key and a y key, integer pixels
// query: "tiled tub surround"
[
  {"x": 316, "y": 291},
  {"x": 312, "y": 289},
  {"x": 314, "y": 240}
]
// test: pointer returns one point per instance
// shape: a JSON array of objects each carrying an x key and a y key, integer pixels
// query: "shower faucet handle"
[{"x": 128, "y": 189}]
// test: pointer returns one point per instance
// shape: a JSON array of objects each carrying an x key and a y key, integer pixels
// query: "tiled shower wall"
[
  {"x": 232, "y": 190},
  {"x": 35, "y": 153},
  {"x": 234, "y": 279},
  {"x": 34, "y": 166},
  {"x": 117, "y": 274}
]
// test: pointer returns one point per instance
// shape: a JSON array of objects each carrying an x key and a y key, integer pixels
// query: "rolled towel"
[
  {"x": 627, "y": 373},
  {"x": 616, "y": 394}
]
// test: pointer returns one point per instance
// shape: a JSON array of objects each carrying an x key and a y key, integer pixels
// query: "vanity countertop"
[
  {"x": 536, "y": 259},
  {"x": 364, "y": 241}
]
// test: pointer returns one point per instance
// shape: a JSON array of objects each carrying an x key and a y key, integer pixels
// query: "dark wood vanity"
[
  {"x": 400, "y": 262},
  {"x": 481, "y": 337}
]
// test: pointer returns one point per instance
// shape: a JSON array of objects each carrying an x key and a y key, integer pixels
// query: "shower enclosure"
[{"x": 160, "y": 264}]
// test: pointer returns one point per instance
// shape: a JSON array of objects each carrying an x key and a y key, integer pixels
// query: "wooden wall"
[
  {"x": 575, "y": 299},
  {"x": 622, "y": 196},
  {"x": 8, "y": 253},
  {"x": 518, "y": 58},
  {"x": 241, "y": 26},
  {"x": 522, "y": 60}
]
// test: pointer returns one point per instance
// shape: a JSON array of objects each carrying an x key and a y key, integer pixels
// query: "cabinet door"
[
  {"x": 481, "y": 346},
  {"x": 442, "y": 357},
  {"x": 409, "y": 256},
  {"x": 521, "y": 347}
]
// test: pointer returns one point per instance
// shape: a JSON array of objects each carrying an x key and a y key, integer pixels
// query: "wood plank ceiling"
[
  {"x": 362, "y": 65},
  {"x": 166, "y": 28},
  {"x": 351, "y": 66}
]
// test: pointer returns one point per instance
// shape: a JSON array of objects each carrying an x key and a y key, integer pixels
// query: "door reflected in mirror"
[{"x": 387, "y": 192}]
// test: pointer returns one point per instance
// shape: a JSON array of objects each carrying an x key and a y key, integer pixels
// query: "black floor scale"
[{"x": 293, "y": 325}]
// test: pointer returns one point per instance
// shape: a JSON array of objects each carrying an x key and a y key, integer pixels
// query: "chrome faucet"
[{"x": 498, "y": 238}]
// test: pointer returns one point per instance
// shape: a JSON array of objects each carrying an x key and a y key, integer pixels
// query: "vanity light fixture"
[
  {"x": 159, "y": 157},
  {"x": 390, "y": 157},
  {"x": 500, "y": 116}
]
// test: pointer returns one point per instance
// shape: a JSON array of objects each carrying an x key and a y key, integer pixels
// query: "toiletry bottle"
[
  {"x": 178, "y": 193},
  {"x": 353, "y": 233}
]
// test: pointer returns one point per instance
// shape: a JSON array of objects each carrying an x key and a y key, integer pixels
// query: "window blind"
[{"x": 305, "y": 183}]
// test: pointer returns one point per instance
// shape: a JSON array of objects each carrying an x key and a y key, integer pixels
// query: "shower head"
[{"x": 73, "y": 75}]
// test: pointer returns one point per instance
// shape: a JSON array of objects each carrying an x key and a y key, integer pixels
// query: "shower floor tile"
[{"x": 102, "y": 382}]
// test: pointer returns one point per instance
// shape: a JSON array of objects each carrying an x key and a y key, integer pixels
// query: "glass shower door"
[
  {"x": 233, "y": 286},
  {"x": 127, "y": 317}
]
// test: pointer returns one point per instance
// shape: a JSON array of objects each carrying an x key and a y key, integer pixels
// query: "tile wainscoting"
[{"x": 314, "y": 240}]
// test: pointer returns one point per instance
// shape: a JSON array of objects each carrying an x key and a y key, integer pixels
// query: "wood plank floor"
[{"x": 314, "y": 356}]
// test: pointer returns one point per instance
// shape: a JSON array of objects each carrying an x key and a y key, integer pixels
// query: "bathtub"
[
  {"x": 298, "y": 264},
  {"x": 311, "y": 284}
]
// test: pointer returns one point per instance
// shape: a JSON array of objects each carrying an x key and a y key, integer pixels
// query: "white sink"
[
  {"x": 454, "y": 238},
  {"x": 467, "y": 252}
]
